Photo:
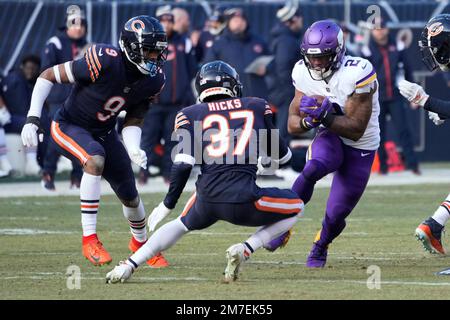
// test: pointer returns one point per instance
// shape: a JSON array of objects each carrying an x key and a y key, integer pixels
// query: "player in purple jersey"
[
  {"x": 348, "y": 136},
  {"x": 106, "y": 81},
  {"x": 223, "y": 135}
]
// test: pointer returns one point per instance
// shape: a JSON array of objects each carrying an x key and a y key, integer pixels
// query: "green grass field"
[{"x": 379, "y": 232}]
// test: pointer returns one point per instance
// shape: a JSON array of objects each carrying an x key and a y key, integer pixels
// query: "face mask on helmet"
[
  {"x": 323, "y": 49},
  {"x": 320, "y": 65},
  {"x": 147, "y": 58}
]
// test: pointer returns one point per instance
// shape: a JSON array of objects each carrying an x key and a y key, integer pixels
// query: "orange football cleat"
[
  {"x": 158, "y": 261},
  {"x": 94, "y": 251},
  {"x": 429, "y": 233}
]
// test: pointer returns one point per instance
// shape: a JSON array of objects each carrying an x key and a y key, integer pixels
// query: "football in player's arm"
[{"x": 351, "y": 125}]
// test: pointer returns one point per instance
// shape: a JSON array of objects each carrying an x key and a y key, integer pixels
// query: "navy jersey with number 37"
[
  {"x": 105, "y": 86},
  {"x": 224, "y": 137}
]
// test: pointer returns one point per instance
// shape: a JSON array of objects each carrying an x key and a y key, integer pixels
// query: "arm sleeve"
[
  {"x": 284, "y": 154},
  {"x": 183, "y": 162},
  {"x": 441, "y": 107}
]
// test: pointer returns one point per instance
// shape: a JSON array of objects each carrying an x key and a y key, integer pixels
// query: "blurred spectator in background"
[
  {"x": 352, "y": 48},
  {"x": 389, "y": 61},
  {"x": 285, "y": 46},
  {"x": 5, "y": 118},
  {"x": 182, "y": 22},
  {"x": 180, "y": 69},
  {"x": 68, "y": 44},
  {"x": 239, "y": 47},
  {"x": 15, "y": 97},
  {"x": 214, "y": 27}
]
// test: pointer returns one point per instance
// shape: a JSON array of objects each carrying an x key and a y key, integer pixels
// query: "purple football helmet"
[{"x": 323, "y": 48}]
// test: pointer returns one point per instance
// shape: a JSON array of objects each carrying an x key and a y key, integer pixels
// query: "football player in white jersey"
[
  {"x": 435, "y": 47},
  {"x": 348, "y": 134}
]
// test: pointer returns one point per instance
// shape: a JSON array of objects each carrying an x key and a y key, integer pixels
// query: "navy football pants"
[
  {"x": 79, "y": 145},
  {"x": 271, "y": 205}
]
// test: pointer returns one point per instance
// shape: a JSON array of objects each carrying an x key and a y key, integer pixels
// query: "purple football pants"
[{"x": 352, "y": 168}]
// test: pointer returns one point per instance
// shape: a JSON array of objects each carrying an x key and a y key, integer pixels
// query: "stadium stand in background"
[{"x": 35, "y": 22}]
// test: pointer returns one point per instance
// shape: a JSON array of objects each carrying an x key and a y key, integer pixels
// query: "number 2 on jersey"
[
  {"x": 112, "y": 106},
  {"x": 223, "y": 136}
]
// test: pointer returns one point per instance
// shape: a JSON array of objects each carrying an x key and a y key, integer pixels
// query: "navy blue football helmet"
[
  {"x": 140, "y": 36},
  {"x": 217, "y": 80},
  {"x": 435, "y": 43}
]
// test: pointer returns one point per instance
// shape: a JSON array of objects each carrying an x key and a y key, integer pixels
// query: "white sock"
[
  {"x": 162, "y": 239},
  {"x": 90, "y": 198},
  {"x": 442, "y": 214},
  {"x": 136, "y": 219},
  {"x": 4, "y": 162},
  {"x": 31, "y": 154},
  {"x": 267, "y": 233}
]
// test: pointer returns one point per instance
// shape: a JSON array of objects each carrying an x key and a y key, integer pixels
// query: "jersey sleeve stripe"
[
  {"x": 69, "y": 73},
  {"x": 179, "y": 124},
  {"x": 97, "y": 62},
  {"x": 364, "y": 79},
  {"x": 180, "y": 117},
  {"x": 56, "y": 72},
  {"x": 89, "y": 66},
  {"x": 91, "y": 59},
  {"x": 362, "y": 84}
]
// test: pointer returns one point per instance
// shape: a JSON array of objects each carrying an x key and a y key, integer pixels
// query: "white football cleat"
[
  {"x": 235, "y": 256},
  {"x": 120, "y": 273}
]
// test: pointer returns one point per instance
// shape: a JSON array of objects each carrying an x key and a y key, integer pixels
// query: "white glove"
[
  {"x": 30, "y": 132},
  {"x": 5, "y": 116},
  {"x": 158, "y": 214},
  {"x": 413, "y": 92},
  {"x": 435, "y": 118},
  {"x": 139, "y": 157},
  {"x": 132, "y": 138},
  {"x": 120, "y": 273}
]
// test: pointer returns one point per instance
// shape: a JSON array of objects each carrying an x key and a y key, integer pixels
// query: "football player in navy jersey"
[
  {"x": 434, "y": 45},
  {"x": 223, "y": 135},
  {"x": 107, "y": 81}
]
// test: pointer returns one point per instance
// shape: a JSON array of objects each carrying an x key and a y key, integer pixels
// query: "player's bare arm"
[
  {"x": 358, "y": 110},
  {"x": 294, "y": 115},
  {"x": 61, "y": 73}
]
